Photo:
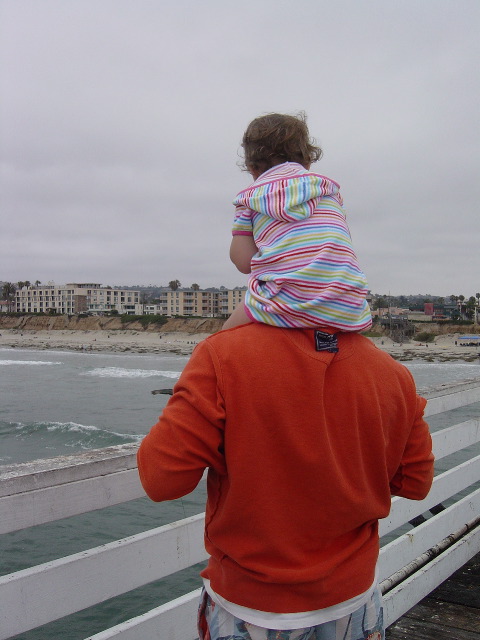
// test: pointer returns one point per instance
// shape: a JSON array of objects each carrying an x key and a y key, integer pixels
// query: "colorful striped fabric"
[{"x": 305, "y": 273}]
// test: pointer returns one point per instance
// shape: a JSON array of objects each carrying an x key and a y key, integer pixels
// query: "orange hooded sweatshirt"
[{"x": 303, "y": 448}]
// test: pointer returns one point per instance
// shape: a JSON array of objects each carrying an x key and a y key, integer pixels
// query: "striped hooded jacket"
[{"x": 306, "y": 273}]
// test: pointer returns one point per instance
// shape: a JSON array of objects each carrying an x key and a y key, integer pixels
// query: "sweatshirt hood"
[{"x": 288, "y": 192}]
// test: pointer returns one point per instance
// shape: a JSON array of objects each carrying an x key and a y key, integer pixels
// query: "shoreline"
[
  {"x": 101, "y": 341},
  {"x": 443, "y": 349}
]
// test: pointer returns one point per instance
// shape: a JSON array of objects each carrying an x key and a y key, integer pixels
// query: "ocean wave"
[
  {"x": 66, "y": 434},
  {"x": 450, "y": 366},
  {"x": 118, "y": 372},
  {"x": 27, "y": 362},
  {"x": 433, "y": 374}
]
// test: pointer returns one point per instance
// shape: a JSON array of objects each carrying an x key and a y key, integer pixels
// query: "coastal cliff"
[
  {"x": 108, "y": 323},
  {"x": 172, "y": 325}
]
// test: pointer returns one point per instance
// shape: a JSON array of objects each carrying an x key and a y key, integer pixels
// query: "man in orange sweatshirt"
[{"x": 306, "y": 435}]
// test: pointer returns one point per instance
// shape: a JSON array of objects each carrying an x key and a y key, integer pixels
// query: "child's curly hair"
[{"x": 276, "y": 138}]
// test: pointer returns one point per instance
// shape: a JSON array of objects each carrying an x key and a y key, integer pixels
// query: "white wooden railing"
[{"x": 411, "y": 565}]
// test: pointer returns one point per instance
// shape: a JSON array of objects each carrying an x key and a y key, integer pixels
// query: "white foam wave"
[
  {"x": 118, "y": 372},
  {"x": 91, "y": 432},
  {"x": 446, "y": 366},
  {"x": 70, "y": 426},
  {"x": 26, "y": 362},
  {"x": 74, "y": 427}
]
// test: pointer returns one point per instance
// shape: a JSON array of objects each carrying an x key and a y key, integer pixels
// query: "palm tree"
[
  {"x": 9, "y": 294},
  {"x": 143, "y": 300},
  {"x": 195, "y": 286},
  {"x": 174, "y": 284},
  {"x": 37, "y": 282},
  {"x": 461, "y": 306},
  {"x": 470, "y": 308},
  {"x": 380, "y": 303}
]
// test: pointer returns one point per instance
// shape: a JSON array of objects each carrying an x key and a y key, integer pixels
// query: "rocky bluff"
[{"x": 108, "y": 323}]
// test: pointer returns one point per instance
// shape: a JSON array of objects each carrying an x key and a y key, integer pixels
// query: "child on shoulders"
[{"x": 290, "y": 234}]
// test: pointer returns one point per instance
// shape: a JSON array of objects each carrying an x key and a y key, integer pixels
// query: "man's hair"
[{"x": 276, "y": 138}]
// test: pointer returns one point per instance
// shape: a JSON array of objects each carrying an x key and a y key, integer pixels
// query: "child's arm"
[{"x": 242, "y": 250}]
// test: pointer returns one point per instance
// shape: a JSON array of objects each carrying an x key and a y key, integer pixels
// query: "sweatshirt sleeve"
[
  {"x": 188, "y": 438},
  {"x": 414, "y": 475},
  {"x": 242, "y": 223}
]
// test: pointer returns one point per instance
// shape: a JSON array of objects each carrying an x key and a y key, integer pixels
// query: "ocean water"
[{"x": 62, "y": 402}]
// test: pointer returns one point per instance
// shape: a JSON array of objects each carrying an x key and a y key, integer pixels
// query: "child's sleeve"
[{"x": 242, "y": 223}]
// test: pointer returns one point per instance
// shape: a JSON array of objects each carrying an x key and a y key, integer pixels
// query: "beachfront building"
[
  {"x": 75, "y": 298},
  {"x": 207, "y": 303},
  {"x": 92, "y": 298}
]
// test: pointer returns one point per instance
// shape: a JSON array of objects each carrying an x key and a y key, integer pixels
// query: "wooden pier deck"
[{"x": 451, "y": 612}]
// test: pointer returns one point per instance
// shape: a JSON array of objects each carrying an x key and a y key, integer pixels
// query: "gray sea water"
[{"x": 62, "y": 402}]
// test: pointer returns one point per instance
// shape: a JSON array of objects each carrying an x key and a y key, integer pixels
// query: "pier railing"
[{"x": 426, "y": 541}]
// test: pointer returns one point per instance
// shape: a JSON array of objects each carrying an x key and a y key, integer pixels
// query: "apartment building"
[
  {"x": 75, "y": 298},
  {"x": 201, "y": 302}
]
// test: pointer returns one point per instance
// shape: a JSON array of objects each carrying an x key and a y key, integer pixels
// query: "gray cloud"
[{"x": 120, "y": 126}]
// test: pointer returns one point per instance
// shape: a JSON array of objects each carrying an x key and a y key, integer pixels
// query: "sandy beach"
[
  {"x": 111, "y": 341},
  {"x": 442, "y": 349}
]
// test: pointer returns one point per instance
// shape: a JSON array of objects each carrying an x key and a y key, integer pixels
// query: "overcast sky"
[{"x": 121, "y": 122}]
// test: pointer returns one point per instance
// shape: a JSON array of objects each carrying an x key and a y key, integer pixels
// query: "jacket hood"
[{"x": 288, "y": 192}]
